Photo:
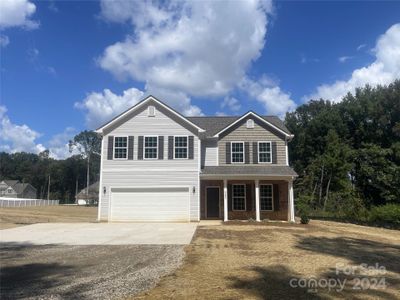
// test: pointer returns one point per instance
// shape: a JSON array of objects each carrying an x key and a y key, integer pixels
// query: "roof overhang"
[
  {"x": 251, "y": 113},
  {"x": 140, "y": 105},
  {"x": 247, "y": 176}
]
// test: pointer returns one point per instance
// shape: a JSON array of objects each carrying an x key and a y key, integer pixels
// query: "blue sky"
[{"x": 224, "y": 58}]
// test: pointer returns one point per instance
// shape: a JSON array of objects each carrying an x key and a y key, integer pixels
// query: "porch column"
[
  {"x": 225, "y": 200},
  {"x": 257, "y": 200},
  {"x": 291, "y": 202}
]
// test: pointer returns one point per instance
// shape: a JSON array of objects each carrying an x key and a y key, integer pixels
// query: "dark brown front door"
[{"x": 212, "y": 196}]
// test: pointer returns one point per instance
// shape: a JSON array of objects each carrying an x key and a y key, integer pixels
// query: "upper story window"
[
  {"x": 266, "y": 201},
  {"x": 120, "y": 147},
  {"x": 150, "y": 147},
  {"x": 238, "y": 196},
  {"x": 180, "y": 147},
  {"x": 264, "y": 152},
  {"x": 151, "y": 111},
  {"x": 237, "y": 152},
  {"x": 250, "y": 123}
]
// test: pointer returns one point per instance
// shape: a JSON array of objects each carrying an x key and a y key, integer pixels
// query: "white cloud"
[
  {"x": 345, "y": 58},
  {"x": 384, "y": 70},
  {"x": 4, "y": 40},
  {"x": 270, "y": 95},
  {"x": 361, "y": 47},
  {"x": 58, "y": 144},
  {"x": 184, "y": 49},
  {"x": 101, "y": 107},
  {"x": 17, "y": 138},
  {"x": 17, "y": 13},
  {"x": 232, "y": 103}
]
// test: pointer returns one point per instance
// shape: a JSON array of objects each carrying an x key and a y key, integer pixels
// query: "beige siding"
[
  {"x": 258, "y": 133},
  {"x": 209, "y": 152},
  {"x": 148, "y": 173}
]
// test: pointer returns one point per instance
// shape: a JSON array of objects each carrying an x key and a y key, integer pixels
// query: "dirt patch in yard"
[
  {"x": 13, "y": 217},
  {"x": 259, "y": 261}
]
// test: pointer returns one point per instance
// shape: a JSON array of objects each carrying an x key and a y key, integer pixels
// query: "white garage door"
[{"x": 150, "y": 204}]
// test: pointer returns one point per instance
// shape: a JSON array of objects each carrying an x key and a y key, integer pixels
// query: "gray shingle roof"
[
  {"x": 19, "y": 188},
  {"x": 269, "y": 170},
  {"x": 11, "y": 182},
  {"x": 214, "y": 124}
]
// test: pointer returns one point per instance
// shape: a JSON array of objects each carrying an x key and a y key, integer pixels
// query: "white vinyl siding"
[
  {"x": 209, "y": 152},
  {"x": 150, "y": 172}
]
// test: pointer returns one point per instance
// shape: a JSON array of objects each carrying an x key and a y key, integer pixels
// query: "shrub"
[
  {"x": 304, "y": 219},
  {"x": 386, "y": 214}
]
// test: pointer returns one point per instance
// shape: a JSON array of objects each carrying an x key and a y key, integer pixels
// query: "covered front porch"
[{"x": 246, "y": 196}]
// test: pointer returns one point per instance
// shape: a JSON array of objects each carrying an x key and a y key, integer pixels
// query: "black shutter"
[
  {"x": 130, "y": 147},
  {"x": 246, "y": 152},
  {"x": 229, "y": 197},
  {"x": 140, "y": 148},
  {"x": 161, "y": 147},
  {"x": 274, "y": 154},
  {"x": 228, "y": 152},
  {"x": 276, "y": 197},
  {"x": 170, "y": 147},
  {"x": 110, "y": 147},
  {"x": 191, "y": 146},
  {"x": 255, "y": 153}
]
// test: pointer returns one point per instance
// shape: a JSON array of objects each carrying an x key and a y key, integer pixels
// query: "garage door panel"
[{"x": 149, "y": 204}]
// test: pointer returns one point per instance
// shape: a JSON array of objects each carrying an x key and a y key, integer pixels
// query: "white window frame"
[
  {"x": 272, "y": 196},
  {"x": 244, "y": 152},
  {"x": 187, "y": 147},
  {"x": 233, "y": 206},
  {"x": 127, "y": 147},
  {"x": 144, "y": 147},
  {"x": 270, "y": 152}
]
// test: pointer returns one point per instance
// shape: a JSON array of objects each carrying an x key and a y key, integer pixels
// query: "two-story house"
[
  {"x": 159, "y": 166},
  {"x": 16, "y": 189}
]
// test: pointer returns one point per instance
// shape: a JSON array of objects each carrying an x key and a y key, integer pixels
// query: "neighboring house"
[
  {"x": 93, "y": 195},
  {"x": 157, "y": 165},
  {"x": 16, "y": 189}
]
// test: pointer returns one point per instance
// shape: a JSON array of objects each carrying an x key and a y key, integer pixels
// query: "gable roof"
[
  {"x": 214, "y": 124},
  {"x": 19, "y": 188},
  {"x": 141, "y": 104},
  {"x": 11, "y": 182}
]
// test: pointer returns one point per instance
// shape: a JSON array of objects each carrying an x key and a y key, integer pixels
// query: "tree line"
[
  {"x": 347, "y": 154},
  {"x": 65, "y": 177}
]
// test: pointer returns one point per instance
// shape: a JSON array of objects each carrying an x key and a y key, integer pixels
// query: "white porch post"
[
  {"x": 225, "y": 200},
  {"x": 257, "y": 200},
  {"x": 291, "y": 202}
]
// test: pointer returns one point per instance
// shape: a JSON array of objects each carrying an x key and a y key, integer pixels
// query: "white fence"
[{"x": 21, "y": 202}]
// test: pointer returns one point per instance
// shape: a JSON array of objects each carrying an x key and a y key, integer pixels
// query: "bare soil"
[
  {"x": 258, "y": 261},
  {"x": 19, "y": 216}
]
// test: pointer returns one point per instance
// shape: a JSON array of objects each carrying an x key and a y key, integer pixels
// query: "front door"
[{"x": 212, "y": 199}]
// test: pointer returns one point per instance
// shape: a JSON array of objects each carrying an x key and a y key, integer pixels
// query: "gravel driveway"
[{"x": 84, "y": 272}]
